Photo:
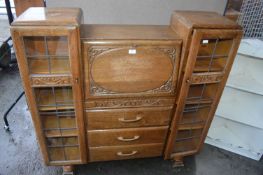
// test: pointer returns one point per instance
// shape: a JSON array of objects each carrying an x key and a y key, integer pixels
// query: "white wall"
[{"x": 136, "y": 11}]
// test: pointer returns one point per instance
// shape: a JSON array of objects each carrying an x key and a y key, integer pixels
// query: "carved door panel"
[{"x": 130, "y": 69}]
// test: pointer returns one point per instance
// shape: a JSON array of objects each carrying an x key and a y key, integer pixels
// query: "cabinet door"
[
  {"x": 131, "y": 68},
  {"x": 209, "y": 62},
  {"x": 49, "y": 64}
]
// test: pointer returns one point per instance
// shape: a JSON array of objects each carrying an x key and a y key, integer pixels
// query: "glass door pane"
[
  {"x": 54, "y": 98},
  {"x": 213, "y": 54},
  {"x": 47, "y": 54}
]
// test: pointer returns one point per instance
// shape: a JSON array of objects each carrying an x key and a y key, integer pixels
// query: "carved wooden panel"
[
  {"x": 129, "y": 102},
  {"x": 201, "y": 78},
  {"x": 132, "y": 70},
  {"x": 51, "y": 81}
]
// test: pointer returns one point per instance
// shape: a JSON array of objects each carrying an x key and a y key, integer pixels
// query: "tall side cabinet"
[
  {"x": 47, "y": 45},
  {"x": 210, "y": 43}
]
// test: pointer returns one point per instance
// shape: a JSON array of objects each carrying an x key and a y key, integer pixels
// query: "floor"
[{"x": 20, "y": 152}]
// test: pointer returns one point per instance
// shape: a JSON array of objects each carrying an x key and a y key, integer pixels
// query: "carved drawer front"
[
  {"x": 127, "y": 118},
  {"x": 131, "y": 136},
  {"x": 125, "y": 152},
  {"x": 125, "y": 70},
  {"x": 129, "y": 103}
]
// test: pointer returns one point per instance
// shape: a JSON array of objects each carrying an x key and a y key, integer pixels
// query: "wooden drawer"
[
  {"x": 127, "y": 118},
  {"x": 116, "y": 137},
  {"x": 125, "y": 152}
]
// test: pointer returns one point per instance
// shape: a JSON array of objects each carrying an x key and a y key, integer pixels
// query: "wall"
[{"x": 136, "y": 11}]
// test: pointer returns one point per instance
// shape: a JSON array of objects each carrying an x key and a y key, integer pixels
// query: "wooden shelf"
[
  {"x": 205, "y": 68},
  {"x": 63, "y": 133},
  {"x": 209, "y": 57},
  {"x": 199, "y": 101},
  {"x": 191, "y": 126},
  {"x": 52, "y": 108}
]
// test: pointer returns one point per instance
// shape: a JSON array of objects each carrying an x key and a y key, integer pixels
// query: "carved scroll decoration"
[
  {"x": 119, "y": 103},
  {"x": 206, "y": 78},
  {"x": 51, "y": 80}
]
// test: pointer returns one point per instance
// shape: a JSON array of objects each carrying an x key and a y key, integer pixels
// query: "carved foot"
[
  {"x": 68, "y": 170},
  {"x": 178, "y": 162}
]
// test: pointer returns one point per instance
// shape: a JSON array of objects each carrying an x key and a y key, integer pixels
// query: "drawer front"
[
  {"x": 124, "y": 152},
  {"x": 127, "y": 118},
  {"x": 129, "y": 69},
  {"x": 116, "y": 137}
]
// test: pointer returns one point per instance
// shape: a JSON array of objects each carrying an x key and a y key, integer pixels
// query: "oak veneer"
[
  {"x": 125, "y": 152},
  {"x": 128, "y": 118},
  {"x": 111, "y": 92},
  {"x": 115, "y": 137}
]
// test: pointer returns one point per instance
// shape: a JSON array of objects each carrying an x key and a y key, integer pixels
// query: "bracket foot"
[
  {"x": 178, "y": 162},
  {"x": 68, "y": 170}
]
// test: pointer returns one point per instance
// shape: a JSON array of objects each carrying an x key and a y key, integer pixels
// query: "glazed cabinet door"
[
  {"x": 211, "y": 55},
  {"x": 49, "y": 64}
]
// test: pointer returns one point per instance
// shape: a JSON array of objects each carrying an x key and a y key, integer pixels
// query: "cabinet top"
[
  {"x": 123, "y": 32},
  {"x": 40, "y": 16},
  {"x": 201, "y": 19}
]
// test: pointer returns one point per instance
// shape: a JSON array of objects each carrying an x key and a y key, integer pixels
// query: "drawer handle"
[
  {"x": 138, "y": 118},
  {"x": 128, "y": 139},
  {"x": 126, "y": 154}
]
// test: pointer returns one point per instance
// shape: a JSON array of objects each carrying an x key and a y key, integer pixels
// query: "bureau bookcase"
[{"x": 112, "y": 92}]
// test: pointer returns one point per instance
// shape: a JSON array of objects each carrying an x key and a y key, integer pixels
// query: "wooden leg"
[
  {"x": 68, "y": 170},
  {"x": 178, "y": 162}
]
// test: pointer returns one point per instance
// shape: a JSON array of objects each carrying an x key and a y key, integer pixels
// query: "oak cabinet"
[{"x": 111, "y": 92}]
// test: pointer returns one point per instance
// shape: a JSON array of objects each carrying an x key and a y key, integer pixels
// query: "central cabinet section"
[{"x": 130, "y": 88}]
